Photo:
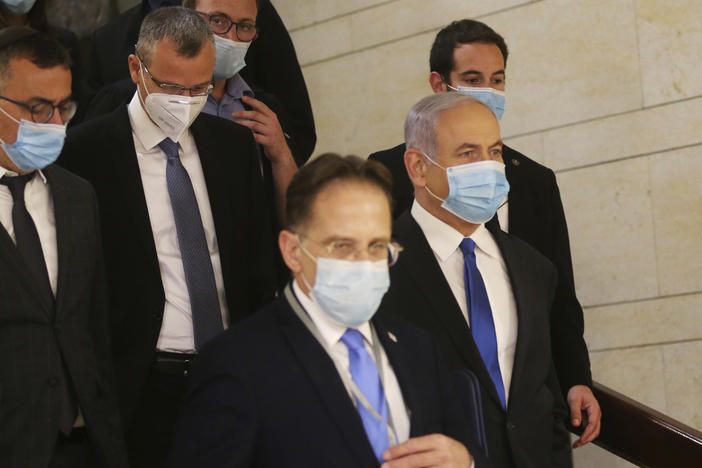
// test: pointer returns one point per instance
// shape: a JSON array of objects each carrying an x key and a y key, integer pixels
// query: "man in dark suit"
[
  {"x": 270, "y": 57},
  {"x": 325, "y": 382},
  {"x": 485, "y": 294},
  {"x": 185, "y": 229},
  {"x": 57, "y": 405},
  {"x": 469, "y": 57}
]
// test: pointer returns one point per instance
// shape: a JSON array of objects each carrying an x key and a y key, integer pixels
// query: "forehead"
[
  {"x": 235, "y": 9},
  {"x": 470, "y": 123},
  {"x": 27, "y": 80},
  {"x": 168, "y": 65},
  {"x": 482, "y": 57},
  {"x": 350, "y": 209}
]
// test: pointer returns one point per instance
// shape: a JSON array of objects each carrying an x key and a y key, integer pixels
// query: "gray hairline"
[
  {"x": 181, "y": 25},
  {"x": 421, "y": 121}
]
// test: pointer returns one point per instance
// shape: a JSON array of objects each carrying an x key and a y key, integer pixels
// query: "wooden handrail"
[{"x": 643, "y": 435}]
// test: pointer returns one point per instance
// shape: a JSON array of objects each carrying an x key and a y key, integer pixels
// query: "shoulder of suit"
[
  {"x": 521, "y": 163},
  {"x": 120, "y": 24},
  {"x": 99, "y": 127},
  {"x": 521, "y": 249},
  {"x": 399, "y": 330},
  {"x": 390, "y": 155},
  {"x": 66, "y": 178}
]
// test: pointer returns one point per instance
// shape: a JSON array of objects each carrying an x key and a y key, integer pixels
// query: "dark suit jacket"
[
  {"x": 102, "y": 151},
  {"x": 271, "y": 64},
  {"x": 284, "y": 404},
  {"x": 536, "y": 216},
  {"x": 37, "y": 338},
  {"x": 531, "y": 433}
]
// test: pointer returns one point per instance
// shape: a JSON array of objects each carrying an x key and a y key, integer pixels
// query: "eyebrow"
[
  {"x": 476, "y": 72},
  {"x": 243, "y": 19},
  {"x": 473, "y": 146},
  {"x": 46, "y": 99}
]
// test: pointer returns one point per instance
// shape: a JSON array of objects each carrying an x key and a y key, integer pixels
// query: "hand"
[
  {"x": 580, "y": 398},
  {"x": 430, "y": 450},
  {"x": 266, "y": 129}
]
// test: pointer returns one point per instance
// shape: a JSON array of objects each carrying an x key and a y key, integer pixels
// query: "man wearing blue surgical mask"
[
  {"x": 325, "y": 382},
  {"x": 57, "y": 403},
  {"x": 469, "y": 57},
  {"x": 484, "y": 294},
  {"x": 233, "y": 23}
]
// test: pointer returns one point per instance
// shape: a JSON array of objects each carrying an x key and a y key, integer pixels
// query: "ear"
[
  {"x": 416, "y": 165},
  {"x": 134, "y": 68},
  {"x": 437, "y": 83},
  {"x": 289, "y": 246}
]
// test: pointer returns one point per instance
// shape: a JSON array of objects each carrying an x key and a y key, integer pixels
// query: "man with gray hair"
[
  {"x": 484, "y": 294},
  {"x": 188, "y": 246}
]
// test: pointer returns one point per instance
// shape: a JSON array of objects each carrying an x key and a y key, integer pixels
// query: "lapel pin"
[
  {"x": 515, "y": 162},
  {"x": 392, "y": 337}
]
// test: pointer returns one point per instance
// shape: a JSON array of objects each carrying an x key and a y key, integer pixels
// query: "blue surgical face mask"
[
  {"x": 37, "y": 145},
  {"x": 229, "y": 59},
  {"x": 18, "y": 7},
  {"x": 491, "y": 97},
  {"x": 476, "y": 190},
  {"x": 349, "y": 292}
]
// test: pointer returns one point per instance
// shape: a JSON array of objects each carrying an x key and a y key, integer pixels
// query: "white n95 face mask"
[
  {"x": 172, "y": 113},
  {"x": 18, "y": 7}
]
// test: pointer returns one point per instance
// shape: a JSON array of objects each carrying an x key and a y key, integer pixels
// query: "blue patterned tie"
[
  {"x": 365, "y": 374},
  {"x": 199, "y": 275},
  {"x": 480, "y": 316}
]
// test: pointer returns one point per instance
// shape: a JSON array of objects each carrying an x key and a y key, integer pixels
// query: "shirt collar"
[
  {"x": 147, "y": 134},
  {"x": 330, "y": 331},
  {"x": 6, "y": 172},
  {"x": 237, "y": 87},
  {"x": 444, "y": 240}
]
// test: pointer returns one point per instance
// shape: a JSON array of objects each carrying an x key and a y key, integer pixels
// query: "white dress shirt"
[
  {"x": 40, "y": 205},
  {"x": 177, "y": 327},
  {"x": 444, "y": 242},
  {"x": 332, "y": 332}
]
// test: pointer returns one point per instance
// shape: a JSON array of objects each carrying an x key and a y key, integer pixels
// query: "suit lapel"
[
  {"x": 519, "y": 212},
  {"x": 64, "y": 221},
  {"x": 519, "y": 281},
  {"x": 11, "y": 256},
  {"x": 126, "y": 169},
  {"x": 216, "y": 180},
  {"x": 331, "y": 391},
  {"x": 400, "y": 363},
  {"x": 420, "y": 263}
]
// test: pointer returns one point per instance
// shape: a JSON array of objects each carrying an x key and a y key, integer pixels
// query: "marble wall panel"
[
  {"x": 638, "y": 373},
  {"x": 644, "y": 322},
  {"x": 570, "y": 61},
  {"x": 592, "y": 456},
  {"x": 297, "y": 14},
  {"x": 325, "y": 40},
  {"x": 670, "y": 38},
  {"x": 354, "y": 111},
  {"x": 531, "y": 146},
  {"x": 683, "y": 378},
  {"x": 640, "y": 132},
  {"x": 677, "y": 210},
  {"x": 611, "y": 231}
]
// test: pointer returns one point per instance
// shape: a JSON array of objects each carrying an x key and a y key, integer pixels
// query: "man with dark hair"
[
  {"x": 187, "y": 238},
  {"x": 325, "y": 381},
  {"x": 469, "y": 57},
  {"x": 484, "y": 294},
  {"x": 269, "y": 58},
  {"x": 57, "y": 406}
]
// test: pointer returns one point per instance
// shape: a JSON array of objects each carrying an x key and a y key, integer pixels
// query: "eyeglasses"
[
  {"x": 43, "y": 110},
  {"x": 346, "y": 250},
  {"x": 221, "y": 24},
  {"x": 169, "y": 88}
]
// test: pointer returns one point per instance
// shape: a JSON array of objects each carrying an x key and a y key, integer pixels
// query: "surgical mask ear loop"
[
  {"x": 314, "y": 259},
  {"x": 427, "y": 187}
]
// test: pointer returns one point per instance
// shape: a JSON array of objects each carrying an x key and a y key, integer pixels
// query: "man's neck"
[{"x": 218, "y": 91}]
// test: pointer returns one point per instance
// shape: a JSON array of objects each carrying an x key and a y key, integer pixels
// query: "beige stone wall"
[{"x": 608, "y": 93}]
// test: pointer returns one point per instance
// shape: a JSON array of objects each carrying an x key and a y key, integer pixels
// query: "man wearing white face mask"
[
  {"x": 485, "y": 295},
  {"x": 184, "y": 222},
  {"x": 57, "y": 404},
  {"x": 325, "y": 382},
  {"x": 469, "y": 57}
]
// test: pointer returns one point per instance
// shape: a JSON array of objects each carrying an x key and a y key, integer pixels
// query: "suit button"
[{"x": 53, "y": 381}]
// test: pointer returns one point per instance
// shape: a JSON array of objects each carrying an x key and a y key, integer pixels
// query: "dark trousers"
[
  {"x": 149, "y": 437},
  {"x": 73, "y": 451}
]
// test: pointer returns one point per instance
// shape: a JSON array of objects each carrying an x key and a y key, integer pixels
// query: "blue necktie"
[
  {"x": 365, "y": 374},
  {"x": 199, "y": 275},
  {"x": 480, "y": 316}
]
